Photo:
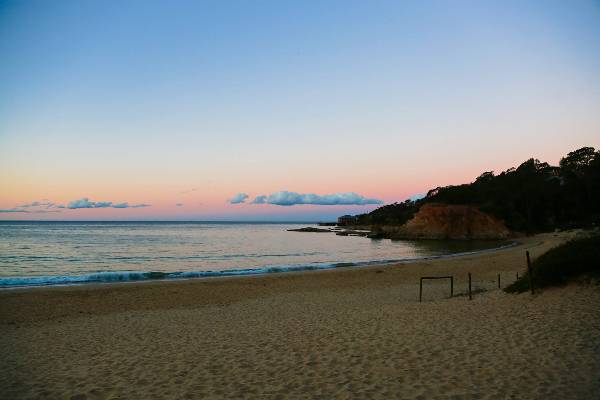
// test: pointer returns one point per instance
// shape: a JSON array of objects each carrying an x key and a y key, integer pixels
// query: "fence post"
[
  {"x": 498, "y": 281},
  {"x": 470, "y": 297},
  {"x": 529, "y": 272},
  {"x": 517, "y": 276},
  {"x": 421, "y": 290},
  {"x": 451, "y": 286}
]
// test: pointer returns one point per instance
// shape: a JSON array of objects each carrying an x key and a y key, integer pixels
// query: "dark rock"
[{"x": 309, "y": 229}]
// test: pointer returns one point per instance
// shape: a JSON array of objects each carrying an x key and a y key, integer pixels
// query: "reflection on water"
[
  {"x": 437, "y": 247},
  {"x": 42, "y": 249}
]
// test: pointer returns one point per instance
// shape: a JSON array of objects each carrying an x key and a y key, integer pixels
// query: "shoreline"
[
  {"x": 229, "y": 289},
  {"x": 99, "y": 278},
  {"x": 338, "y": 333}
]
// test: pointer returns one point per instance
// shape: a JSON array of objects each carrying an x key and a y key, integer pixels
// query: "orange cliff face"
[{"x": 444, "y": 221}]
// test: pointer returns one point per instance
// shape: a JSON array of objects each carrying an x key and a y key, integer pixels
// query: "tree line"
[{"x": 533, "y": 197}]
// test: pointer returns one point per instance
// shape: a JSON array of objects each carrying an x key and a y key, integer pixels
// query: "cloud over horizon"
[
  {"x": 44, "y": 203},
  {"x": 86, "y": 203},
  {"x": 238, "y": 198},
  {"x": 20, "y": 210},
  {"x": 43, "y": 207},
  {"x": 285, "y": 198}
]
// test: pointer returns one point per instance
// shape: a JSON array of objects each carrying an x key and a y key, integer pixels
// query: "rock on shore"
[
  {"x": 444, "y": 221},
  {"x": 309, "y": 229}
]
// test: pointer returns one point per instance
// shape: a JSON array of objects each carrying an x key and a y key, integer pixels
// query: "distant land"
[{"x": 533, "y": 197}]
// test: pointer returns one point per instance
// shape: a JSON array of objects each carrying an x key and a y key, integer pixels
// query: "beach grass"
[{"x": 576, "y": 258}]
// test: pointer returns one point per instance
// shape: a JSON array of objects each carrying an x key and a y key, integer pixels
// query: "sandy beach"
[{"x": 344, "y": 333}]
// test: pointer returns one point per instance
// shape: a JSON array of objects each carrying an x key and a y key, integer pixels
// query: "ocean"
[{"x": 59, "y": 253}]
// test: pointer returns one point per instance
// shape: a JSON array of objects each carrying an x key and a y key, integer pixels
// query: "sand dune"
[{"x": 354, "y": 333}]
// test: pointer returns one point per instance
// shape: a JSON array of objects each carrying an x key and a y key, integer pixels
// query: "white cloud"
[
  {"x": 285, "y": 198},
  {"x": 86, "y": 203},
  {"x": 21, "y": 210},
  {"x": 238, "y": 198},
  {"x": 259, "y": 200},
  {"x": 47, "y": 206},
  {"x": 81, "y": 203},
  {"x": 44, "y": 203}
]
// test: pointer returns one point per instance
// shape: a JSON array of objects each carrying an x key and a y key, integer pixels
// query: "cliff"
[{"x": 445, "y": 221}]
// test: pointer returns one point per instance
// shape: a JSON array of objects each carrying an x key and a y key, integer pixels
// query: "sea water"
[{"x": 50, "y": 253}]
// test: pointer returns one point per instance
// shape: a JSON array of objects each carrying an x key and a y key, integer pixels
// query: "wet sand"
[{"x": 344, "y": 333}]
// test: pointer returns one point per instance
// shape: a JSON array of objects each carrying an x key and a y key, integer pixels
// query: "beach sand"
[{"x": 345, "y": 333}]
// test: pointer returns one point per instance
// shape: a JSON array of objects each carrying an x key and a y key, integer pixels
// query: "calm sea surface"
[{"x": 47, "y": 253}]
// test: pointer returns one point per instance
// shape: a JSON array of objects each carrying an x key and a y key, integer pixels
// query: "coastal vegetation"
[
  {"x": 533, "y": 197},
  {"x": 571, "y": 260}
]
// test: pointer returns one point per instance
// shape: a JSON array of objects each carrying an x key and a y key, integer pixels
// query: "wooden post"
[
  {"x": 529, "y": 272},
  {"x": 421, "y": 290},
  {"x": 517, "y": 276},
  {"x": 470, "y": 297},
  {"x": 498, "y": 281},
  {"x": 451, "y": 286}
]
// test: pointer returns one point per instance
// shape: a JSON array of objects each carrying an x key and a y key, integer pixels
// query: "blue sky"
[{"x": 140, "y": 101}]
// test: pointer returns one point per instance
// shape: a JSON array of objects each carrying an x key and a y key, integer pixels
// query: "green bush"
[{"x": 580, "y": 256}]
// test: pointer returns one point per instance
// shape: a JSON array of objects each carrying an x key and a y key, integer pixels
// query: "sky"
[{"x": 279, "y": 110}]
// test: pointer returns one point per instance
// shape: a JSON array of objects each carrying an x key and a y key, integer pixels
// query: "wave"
[
  {"x": 128, "y": 276},
  {"x": 131, "y": 276}
]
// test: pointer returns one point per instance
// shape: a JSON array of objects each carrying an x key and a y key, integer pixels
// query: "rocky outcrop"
[
  {"x": 309, "y": 229},
  {"x": 443, "y": 221}
]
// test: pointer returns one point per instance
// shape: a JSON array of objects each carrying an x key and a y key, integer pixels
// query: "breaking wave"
[{"x": 131, "y": 276}]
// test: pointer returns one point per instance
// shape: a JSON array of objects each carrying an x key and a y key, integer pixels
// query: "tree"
[
  {"x": 535, "y": 196},
  {"x": 578, "y": 161}
]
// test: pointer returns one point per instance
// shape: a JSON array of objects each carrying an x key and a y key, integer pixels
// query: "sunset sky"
[{"x": 260, "y": 110}]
